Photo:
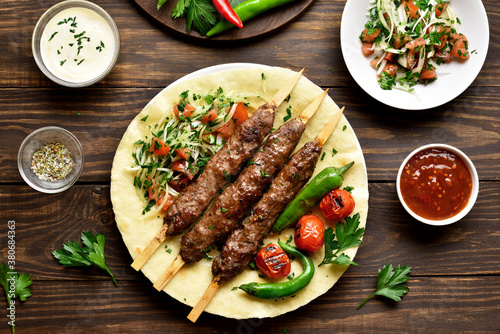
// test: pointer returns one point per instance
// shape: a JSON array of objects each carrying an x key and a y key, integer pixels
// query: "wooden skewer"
[
  {"x": 282, "y": 94},
  {"x": 329, "y": 127},
  {"x": 152, "y": 246},
  {"x": 205, "y": 299},
  {"x": 309, "y": 111},
  {"x": 161, "y": 235},
  {"x": 169, "y": 273}
]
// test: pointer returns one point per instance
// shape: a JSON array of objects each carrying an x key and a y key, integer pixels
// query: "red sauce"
[{"x": 436, "y": 184}]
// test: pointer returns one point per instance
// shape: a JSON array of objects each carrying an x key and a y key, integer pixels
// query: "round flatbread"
[{"x": 192, "y": 280}]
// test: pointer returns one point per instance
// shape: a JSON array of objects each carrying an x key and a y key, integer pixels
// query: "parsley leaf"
[
  {"x": 201, "y": 14},
  {"x": 9, "y": 276},
  {"x": 348, "y": 235},
  {"x": 386, "y": 81},
  {"x": 390, "y": 283},
  {"x": 73, "y": 255},
  {"x": 180, "y": 8}
]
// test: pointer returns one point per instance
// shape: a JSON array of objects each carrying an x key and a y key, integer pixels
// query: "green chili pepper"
[
  {"x": 283, "y": 289},
  {"x": 245, "y": 11},
  {"x": 328, "y": 179}
]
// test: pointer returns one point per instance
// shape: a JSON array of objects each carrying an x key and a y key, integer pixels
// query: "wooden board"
[{"x": 257, "y": 27}]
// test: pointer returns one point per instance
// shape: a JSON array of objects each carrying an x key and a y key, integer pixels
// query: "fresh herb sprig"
[
  {"x": 391, "y": 283},
  {"x": 348, "y": 235},
  {"x": 73, "y": 255},
  {"x": 21, "y": 281}
]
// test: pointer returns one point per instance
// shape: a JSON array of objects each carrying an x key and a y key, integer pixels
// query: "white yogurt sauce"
[{"x": 77, "y": 45}]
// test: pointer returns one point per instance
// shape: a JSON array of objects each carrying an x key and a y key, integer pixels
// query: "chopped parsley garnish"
[
  {"x": 144, "y": 118},
  {"x": 344, "y": 128},
  {"x": 212, "y": 227},
  {"x": 223, "y": 210},
  {"x": 263, "y": 173},
  {"x": 52, "y": 36},
  {"x": 288, "y": 114},
  {"x": 323, "y": 156}
]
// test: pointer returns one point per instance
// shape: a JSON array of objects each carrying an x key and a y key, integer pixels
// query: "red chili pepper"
[{"x": 227, "y": 12}]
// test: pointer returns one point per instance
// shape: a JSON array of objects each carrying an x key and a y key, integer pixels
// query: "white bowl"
[
  {"x": 35, "y": 141},
  {"x": 44, "y": 20},
  {"x": 448, "y": 86},
  {"x": 473, "y": 195}
]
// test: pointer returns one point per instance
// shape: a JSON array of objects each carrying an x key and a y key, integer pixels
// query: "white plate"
[{"x": 448, "y": 86}]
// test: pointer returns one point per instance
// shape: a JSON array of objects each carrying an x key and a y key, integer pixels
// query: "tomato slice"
[
  {"x": 366, "y": 48},
  {"x": 240, "y": 113},
  {"x": 210, "y": 116},
  {"x": 158, "y": 147},
  {"x": 428, "y": 74},
  {"x": 337, "y": 204},
  {"x": 179, "y": 183},
  {"x": 444, "y": 55},
  {"x": 186, "y": 108},
  {"x": 390, "y": 69},
  {"x": 184, "y": 167},
  {"x": 168, "y": 203},
  {"x": 273, "y": 261},
  {"x": 389, "y": 56},
  {"x": 310, "y": 233},
  {"x": 440, "y": 8},
  {"x": 373, "y": 63},
  {"x": 227, "y": 129},
  {"x": 400, "y": 40},
  {"x": 411, "y": 9},
  {"x": 411, "y": 59},
  {"x": 184, "y": 153},
  {"x": 459, "y": 50},
  {"x": 420, "y": 41},
  {"x": 369, "y": 35}
]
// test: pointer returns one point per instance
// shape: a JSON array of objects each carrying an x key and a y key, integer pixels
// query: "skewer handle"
[
  {"x": 312, "y": 108},
  {"x": 205, "y": 299},
  {"x": 329, "y": 127},
  {"x": 282, "y": 94},
  {"x": 150, "y": 249},
  {"x": 169, "y": 273}
]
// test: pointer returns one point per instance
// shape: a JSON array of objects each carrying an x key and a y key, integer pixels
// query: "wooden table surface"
[{"x": 454, "y": 285}]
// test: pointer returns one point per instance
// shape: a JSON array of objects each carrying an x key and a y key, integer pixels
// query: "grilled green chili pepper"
[
  {"x": 328, "y": 179},
  {"x": 245, "y": 11},
  {"x": 283, "y": 289}
]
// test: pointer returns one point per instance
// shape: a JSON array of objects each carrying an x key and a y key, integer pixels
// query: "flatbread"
[{"x": 192, "y": 280}]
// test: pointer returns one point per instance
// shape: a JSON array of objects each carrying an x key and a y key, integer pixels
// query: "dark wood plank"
[
  {"x": 386, "y": 135},
  {"x": 258, "y": 27},
  {"x": 45, "y": 222},
  {"x": 433, "y": 304},
  {"x": 152, "y": 57}
]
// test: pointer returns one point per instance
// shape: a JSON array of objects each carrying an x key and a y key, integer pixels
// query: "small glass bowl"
[
  {"x": 47, "y": 16},
  {"x": 473, "y": 195},
  {"x": 38, "y": 139}
]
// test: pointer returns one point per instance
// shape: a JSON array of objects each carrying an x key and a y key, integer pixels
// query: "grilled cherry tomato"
[
  {"x": 273, "y": 261},
  {"x": 310, "y": 233},
  {"x": 337, "y": 204}
]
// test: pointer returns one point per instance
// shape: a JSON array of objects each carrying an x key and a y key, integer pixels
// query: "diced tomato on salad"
[
  {"x": 185, "y": 108},
  {"x": 240, "y": 113},
  {"x": 210, "y": 116},
  {"x": 408, "y": 40},
  {"x": 158, "y": 147}
]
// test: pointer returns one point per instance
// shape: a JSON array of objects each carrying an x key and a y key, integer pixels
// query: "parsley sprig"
[
  {"x": 347, "y": 236},
  {"x": 390, "y": 283},
  {"x": 21, "y": 283},
  {"x": 73, "y": 255}
]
